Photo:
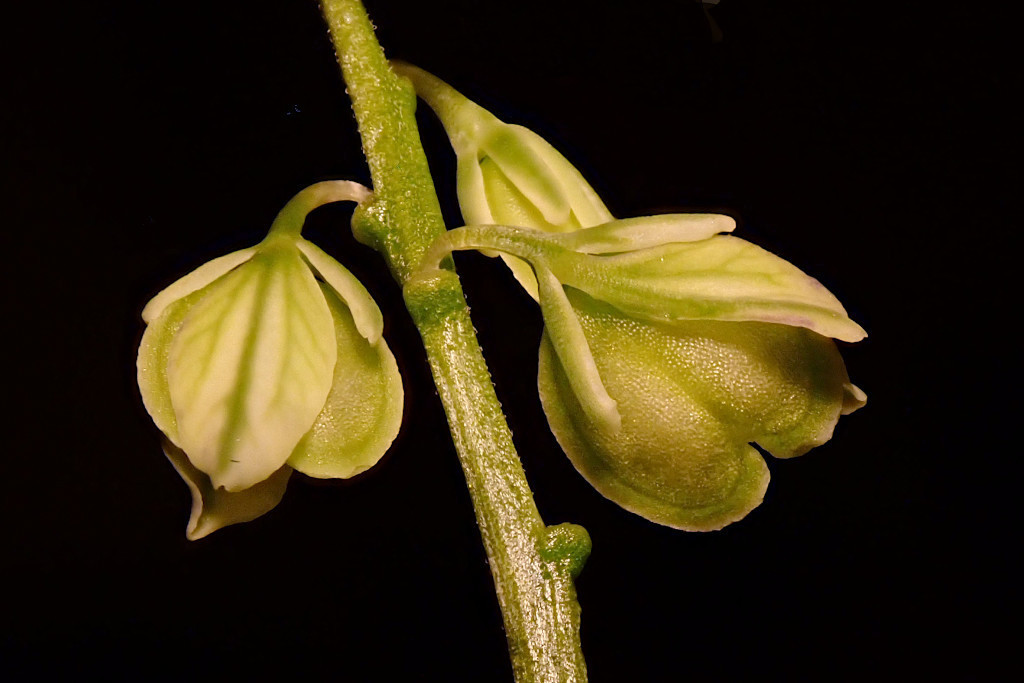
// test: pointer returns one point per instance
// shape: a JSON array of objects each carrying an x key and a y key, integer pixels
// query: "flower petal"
[
  {"x": 363, "y": 411},
  {"x": 197, "y": 279},
  {"x": 692, "y": 396},
  {"x": 631, "y": 234},
  {"x": 586, "y": 206},
  {"x": 365, "y": 313},
  {"x": 526, "y": 170},
  {"x": 853, "y": 398},
  {"x": 777, "y": 385},
  {"x": 673, "y": 461},
  {"x": 151, "y": 364},
  {"x": 213, "y": 508},
  {"x": 471, "y": 191},
  {"x": 251, "y": 367},
  {"x": 509, "y": 206},
  {"x": 567, "y": 339},
  {"x": 722, "y": 278},
  {"x": 506, "y": 204}
]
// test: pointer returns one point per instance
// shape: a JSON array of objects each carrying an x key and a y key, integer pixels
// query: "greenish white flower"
[
  {"x": 507, "y": 174},
  {"x": 266, "y": 360},
  {"x": 669, "y": 346}
]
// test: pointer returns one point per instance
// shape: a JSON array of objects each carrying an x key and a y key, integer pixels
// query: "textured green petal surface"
[
  {"x": 251, "y": 367},
  {"x": 692, "y": 396},
  {"x": 214, "y": 509},
  {"x": 363, "y": 411}
]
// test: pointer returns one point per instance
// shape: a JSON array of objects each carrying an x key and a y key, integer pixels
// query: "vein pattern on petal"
[
  {"x": 197, "y": 279},
  {"x": 251, "y": 368}
]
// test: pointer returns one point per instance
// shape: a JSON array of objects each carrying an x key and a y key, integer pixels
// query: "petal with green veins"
[
  {"x": 586, "y": 205},
  {"x": 197, "y": 279},
  {"x": 507, "y": 205},
  {"x": 719, "y": 278},
  {"x": 475, "y": 209},
  {"x": 722, "y": 278},
  {"x": 151, "y": 364},
  {"x": 213, "y": 508},
  {"x": 251, "y": 367},
  {"x": 692, "y": 396},
  {"x": 363, "y": 411},
  {"x": 365, "y": 313},
  {"x": 527, "y": 172}
]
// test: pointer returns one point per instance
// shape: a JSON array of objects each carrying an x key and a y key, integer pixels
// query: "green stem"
[
  {"x": 292, "y": 217},
  {"x": 533, "y": 565}
]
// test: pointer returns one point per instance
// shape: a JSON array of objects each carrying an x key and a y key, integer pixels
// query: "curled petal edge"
[
  {"x": 194, "y": 281},
  {"x": 214, "y": 509}
]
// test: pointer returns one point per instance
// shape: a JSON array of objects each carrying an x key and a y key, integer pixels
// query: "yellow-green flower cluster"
[{"x": 669, "y": 347}]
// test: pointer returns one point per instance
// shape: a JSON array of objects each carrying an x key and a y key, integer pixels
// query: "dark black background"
[{"x": 867, "y": 142}]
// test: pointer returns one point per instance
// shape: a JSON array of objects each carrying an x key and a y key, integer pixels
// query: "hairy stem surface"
[{"x": 533, "y": 565}]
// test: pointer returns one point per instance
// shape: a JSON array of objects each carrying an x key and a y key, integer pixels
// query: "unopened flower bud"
[{"x": 507, "y": 174}]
